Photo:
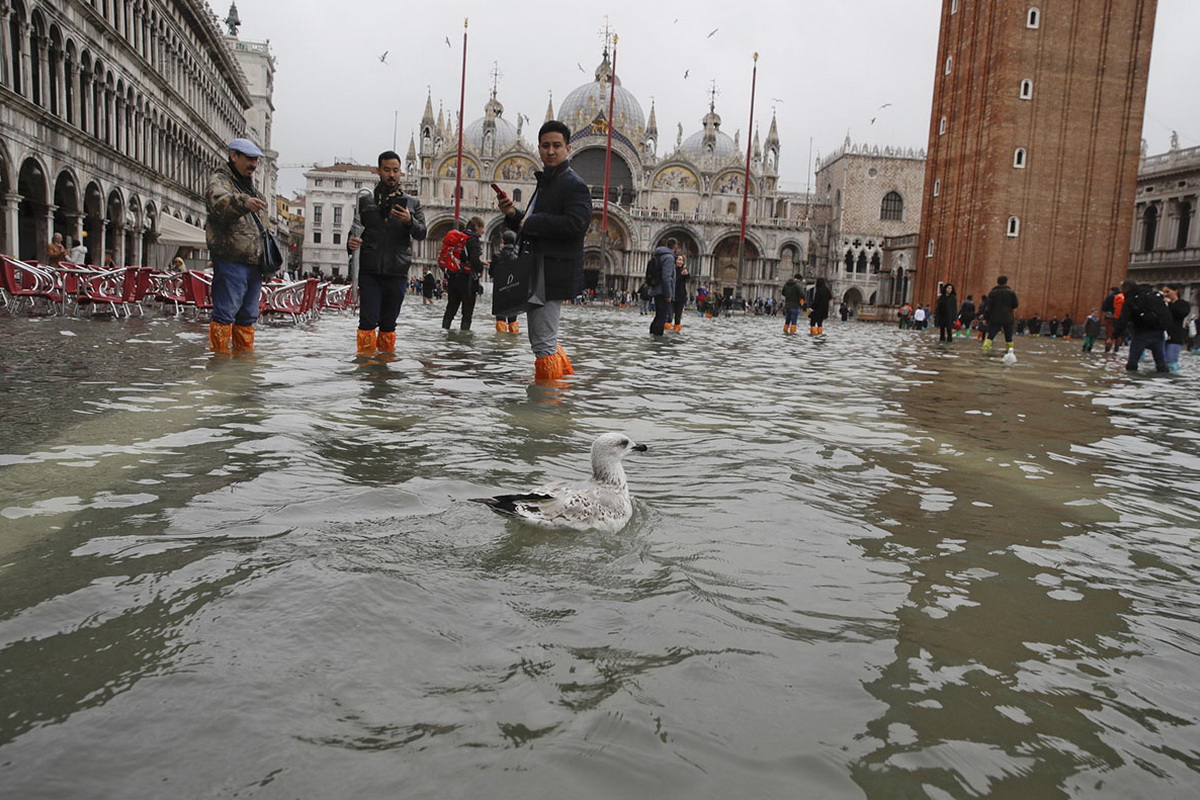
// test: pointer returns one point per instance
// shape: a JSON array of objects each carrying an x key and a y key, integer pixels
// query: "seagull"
[
  {"x": 448, "y": 43},
  {"x": 601, "y": 504},
  {"x": 581, "y": 69},
  {"x": 686, "y": 72},
  {"x": 711, "y": 34},
  {"x": 873, "y": 120},
  {"x": 1010, "y": 357},
  {"x": 383, "y": 58},
  {"x": 885, "y": 105}
]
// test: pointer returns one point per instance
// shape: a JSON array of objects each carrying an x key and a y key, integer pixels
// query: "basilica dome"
[
  {"x": 505, "y": 134},
  {"x": 589, "y": 101},
  {"x": 698, "y": 144}
]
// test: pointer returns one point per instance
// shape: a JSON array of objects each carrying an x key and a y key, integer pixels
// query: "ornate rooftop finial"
[{"x": 233, "y": 20}]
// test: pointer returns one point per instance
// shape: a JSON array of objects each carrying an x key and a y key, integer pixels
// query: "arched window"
[
  {"x": 949, "y": 64},
  {"x": 1026, "y": 89},
  {"x": 937, "y": 186},
  {"x": 516, "y": 195},
  {"x": 674, "y": 205},
  {"x": 929, "y": 249},
  {"x": 1033, "y": 19},
  {"x": 731, "y": 208},
  {"x": 1019, "y": 158},
  {"x": 876, "y": 263},
  {"x": 942, "y": 126},
  {"x": 862, "y": 262},
  {"x": 1149, "y": 228},
  {"x": 1185, "y": 225},
  {"x": 849, "y": 260},
  {"x": 1014, "y": 226},
  {"x": 892, "y": 207}
]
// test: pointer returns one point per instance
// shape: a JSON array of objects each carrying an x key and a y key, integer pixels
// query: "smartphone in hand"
[{"x": 500, "y": 194}]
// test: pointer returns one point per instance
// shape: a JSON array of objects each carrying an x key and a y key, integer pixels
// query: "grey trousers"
[{"x": 542, "y": 324}]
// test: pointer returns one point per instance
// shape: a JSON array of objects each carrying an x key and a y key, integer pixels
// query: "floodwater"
[{"x": 864, "y": 565}]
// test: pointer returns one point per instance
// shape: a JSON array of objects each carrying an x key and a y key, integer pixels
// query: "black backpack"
[
  {"x": 653, "y": 271},
  {"x": 1149, "y": 311}
]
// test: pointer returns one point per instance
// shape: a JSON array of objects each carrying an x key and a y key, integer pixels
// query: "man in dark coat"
[
  {"x": 999, "y": 306},
  {"x": 392, "y": 221},
  {"x": 553, "y": 226}
]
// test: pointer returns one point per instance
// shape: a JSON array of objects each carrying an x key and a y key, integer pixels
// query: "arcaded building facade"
[
  {"x": 1033, "y": 149},
  {"x": 1165, "y": 247},
  {"x": 112, "y": 115}
]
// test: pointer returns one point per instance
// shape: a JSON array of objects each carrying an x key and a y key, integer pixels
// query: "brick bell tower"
[{"x": 1033, "y": 149}]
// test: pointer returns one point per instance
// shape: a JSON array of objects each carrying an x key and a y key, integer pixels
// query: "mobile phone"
[{"x": 499, "y": 192}]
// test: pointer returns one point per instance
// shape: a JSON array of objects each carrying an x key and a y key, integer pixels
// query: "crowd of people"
[{"x": 1154, "y": 319}]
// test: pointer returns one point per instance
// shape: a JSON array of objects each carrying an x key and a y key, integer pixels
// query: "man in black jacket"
[
  {"x": 998, "y": 308},
  {"x": 1144, "y": 318},
  {"x": 392, "y": 221},
  {"x": 553, "y": 225}
]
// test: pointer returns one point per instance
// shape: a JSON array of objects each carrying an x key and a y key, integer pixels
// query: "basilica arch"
[
  {"x": 33, "y": 223},
  {"x": 114, "y": 233},
  {"x": 689, "y": 243},
  {"x": 67, "y": 206},
  {"x": 725, "y": 262},
  {"x": 588, "y": 162},
  {"x": 600, "y": 260},
  {"x": 93, "y": 222}
]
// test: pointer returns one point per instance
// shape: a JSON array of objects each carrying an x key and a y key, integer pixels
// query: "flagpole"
[
  {"x": 612, "y": 94},
  {"x": 462, "y": 98},
  {"x": 746, "y": 178}
]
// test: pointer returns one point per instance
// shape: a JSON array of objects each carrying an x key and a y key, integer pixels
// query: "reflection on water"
[{"x": 864, "y": 565}]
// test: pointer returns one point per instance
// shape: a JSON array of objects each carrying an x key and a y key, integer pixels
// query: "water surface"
[{"x": 863, "y": 565}]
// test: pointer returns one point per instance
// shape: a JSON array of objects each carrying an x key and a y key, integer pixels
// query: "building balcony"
[{"x": 1185, "y": 257}]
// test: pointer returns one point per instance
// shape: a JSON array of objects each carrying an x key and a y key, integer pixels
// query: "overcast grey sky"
[{"x": 826, "y": 69}]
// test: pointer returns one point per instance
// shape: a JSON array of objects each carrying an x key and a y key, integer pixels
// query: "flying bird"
[
  {"x": 776, "y": 100},
  {"x": 686, "y": 72},
  {"x": 383, "y": 58},
  {"x": 581, "y": 69},
  {"x": 448, "y": 43},
  {"x": 714, "y": 30},
  {"x": 885, "y": 105},
  {"x": 601, "y": 503}
]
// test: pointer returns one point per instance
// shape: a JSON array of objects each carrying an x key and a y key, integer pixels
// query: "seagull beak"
[{"x": 641, "y": 448}]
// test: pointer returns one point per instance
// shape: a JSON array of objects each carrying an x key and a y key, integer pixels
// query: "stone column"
[
  {"x": 5, "y": 44},
  {"x": 43, "y": 246},
  {"x": 12, "y": 225}
]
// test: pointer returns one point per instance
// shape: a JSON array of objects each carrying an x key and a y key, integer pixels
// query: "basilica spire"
[{"x": 550, "y": 108}]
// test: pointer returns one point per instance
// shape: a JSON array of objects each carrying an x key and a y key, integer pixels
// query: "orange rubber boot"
[
  {"x": 514, "y": 327},
  {"x": 218, "y": 337},
  {"x": 501, "y": 326},
  {"x": 548, "y": 368},
  {"x": 366, "y": 342},
  {"x": 386, "y": 342},
  {"x": 243, "y": 337},
  {"x": 567, "y": 369}
]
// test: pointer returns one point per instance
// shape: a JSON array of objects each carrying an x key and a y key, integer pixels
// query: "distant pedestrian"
[
  {"x": 946, "y": 312},
  {"x": 56, "y": 251},
  {"x": 844, "y": 312},
  {"x": 1093, "y": 328},
  {"x": 1000, "y": 305},
  {"x": 428, "y": 284},
  {"x": 462, "y": 286},
  {"x": 681, "y": 293},
  {"x": 1176, "y": 332},
  {"x": 507, "y": 254},
  {"x": 1110, "y": 311},
  {"x": 966, "y": 314},
  {"x": 822, "y": 298},
  {"x": 78, "y": 253},
  {"x": 793, "y": 302},
  {"x": 663, "y": 293},
  {"x": 1067, "y": 325},
  {"x": 918, "y": 318}
]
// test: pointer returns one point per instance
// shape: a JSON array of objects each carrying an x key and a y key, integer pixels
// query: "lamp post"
[{"x": 746, "y": 179}]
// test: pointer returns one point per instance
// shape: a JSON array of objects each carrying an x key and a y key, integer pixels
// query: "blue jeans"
[
  {"x": 791, "y": 316},
  {"x": 1147, "y": 340},
  {"x": 236, "y": 289},
  {"x": 379, "y": 301},
  {"x": 1173, "y": 351},
  {"x": 663, "y": 306}
]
